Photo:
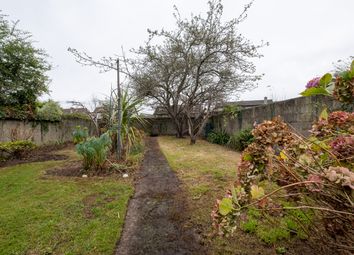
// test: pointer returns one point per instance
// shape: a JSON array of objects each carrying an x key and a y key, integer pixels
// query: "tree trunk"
[
  {"x": 193, "y": 139},
  {"x": 97, "y": 129},
  {"x": 179, "y": 128},
  {"x": 179, "y": 134},
  {"x": 195, "y": 129}
]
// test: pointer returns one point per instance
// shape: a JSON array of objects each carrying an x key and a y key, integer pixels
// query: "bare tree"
[
  {"x": 198, "y": 65},
  {"x": 90, "y": 109},
  {"x": 160, "y": 75}
]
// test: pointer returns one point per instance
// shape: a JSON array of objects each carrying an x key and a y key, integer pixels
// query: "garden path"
[{"x": 156, "y": 221}]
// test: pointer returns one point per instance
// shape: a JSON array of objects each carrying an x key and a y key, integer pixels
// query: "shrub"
[
  {"x": 80, "y": 134},
  {"x": 241, "y": 140},
  {"x": 344, "y": 86},
  {"x": 16, "y": 149},
  {"x": 18, "y": 112},
  {"x": 312, "y": 178},
  {"x": 340, "y": 88},
  {"x": 49, "y": 111},
  {"x": 94, "y": 151},
  {"x": 218, "y": 137}
]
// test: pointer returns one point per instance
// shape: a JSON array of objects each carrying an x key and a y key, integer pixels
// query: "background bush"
[
  {"x": 218, "y": 137},
  {"x": 16, "y": 149},
  {"x": 239, "y": 141},
  {"x": 80, "y": 134},
  {"x": 49, "y": 111}
]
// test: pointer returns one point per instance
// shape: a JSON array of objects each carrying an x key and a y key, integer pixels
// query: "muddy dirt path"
[{"x": 155, "y": 221}]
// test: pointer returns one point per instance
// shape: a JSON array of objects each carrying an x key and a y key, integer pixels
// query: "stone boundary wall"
[
  {"x": 299, "y": 113},
  {"x": 41, "y": 132}
]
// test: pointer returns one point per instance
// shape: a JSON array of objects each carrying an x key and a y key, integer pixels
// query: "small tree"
[
  {"x": 90, "y": 111},
  {"x": 23, "y": 67}
]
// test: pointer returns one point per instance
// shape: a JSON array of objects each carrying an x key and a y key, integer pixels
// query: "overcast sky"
[{"x": 305, "y": 36}]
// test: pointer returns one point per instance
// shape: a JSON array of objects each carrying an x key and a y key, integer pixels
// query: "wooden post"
[{"x": 119, "y": 117}]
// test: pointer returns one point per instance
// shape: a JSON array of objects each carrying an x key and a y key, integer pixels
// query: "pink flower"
[
  {"x": 313, "y": 83},
  {"x": 343, "y": 146}
]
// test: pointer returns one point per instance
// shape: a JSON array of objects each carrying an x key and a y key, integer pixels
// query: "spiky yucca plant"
[{"x": 130, "y": 119}]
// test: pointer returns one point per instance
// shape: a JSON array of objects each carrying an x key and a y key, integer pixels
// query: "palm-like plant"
[{"x": 130, "y": 118}]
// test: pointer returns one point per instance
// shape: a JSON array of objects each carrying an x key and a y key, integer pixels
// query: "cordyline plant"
[
  {"x": 131, "y": 120},
  {"x": 303, "y": 185}
]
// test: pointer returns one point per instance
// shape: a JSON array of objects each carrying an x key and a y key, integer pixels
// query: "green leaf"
[
  {"x": 234, "y": 194},
  {"x": 247, "y": 157},
  {"x": 257, "y": 192},
  {"x": 225, "y": 206},
  {"x": 330, "y": 88},
  {"x": 324, "y": 114},
  {"x": 352, "y": 68},
  {"x": 315, "y": 91},
  {"x": 325, "y": 80}
]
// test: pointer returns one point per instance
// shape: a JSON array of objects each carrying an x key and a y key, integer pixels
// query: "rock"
[
  {"x": 125, "y": 175},
  {"x": 84, "y": 176}
]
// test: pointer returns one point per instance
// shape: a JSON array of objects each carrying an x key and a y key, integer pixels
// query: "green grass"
[
  {"x": 47, "y": 215},
  {"x": 206, "y": 170},
  {"x": 249, "y": 226},
  {"x": 199, "y": 190},
  {"x": 272, "y": 234},
  {"x": 215, "y": 162}
]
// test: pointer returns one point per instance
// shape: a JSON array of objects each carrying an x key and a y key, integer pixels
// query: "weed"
[
  {"x": 199, "y": 190},
  {"x": 271, "y": 234},
  {"x": 249, "y": 226}
]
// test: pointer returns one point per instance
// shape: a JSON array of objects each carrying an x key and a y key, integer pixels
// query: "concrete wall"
[
  {"x": 158, "y": 126},
  {"x": 299, "y": 113},
  {"x": 41, "y": 132}
]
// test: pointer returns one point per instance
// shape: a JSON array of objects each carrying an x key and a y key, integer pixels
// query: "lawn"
[
  {"x": 40, "y": 214},
  {"x": 213, "y": 166},
  {"x": 206, "y": 170}
]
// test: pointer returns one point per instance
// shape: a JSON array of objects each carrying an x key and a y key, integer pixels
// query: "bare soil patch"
[
  {"x": 74, "y": 168},
  {"x": 40, "y": 154},
  {"x": 92, "y": 201},
  {"x": 69, "y": 169},
  {"x": 156, "y": 222}
]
